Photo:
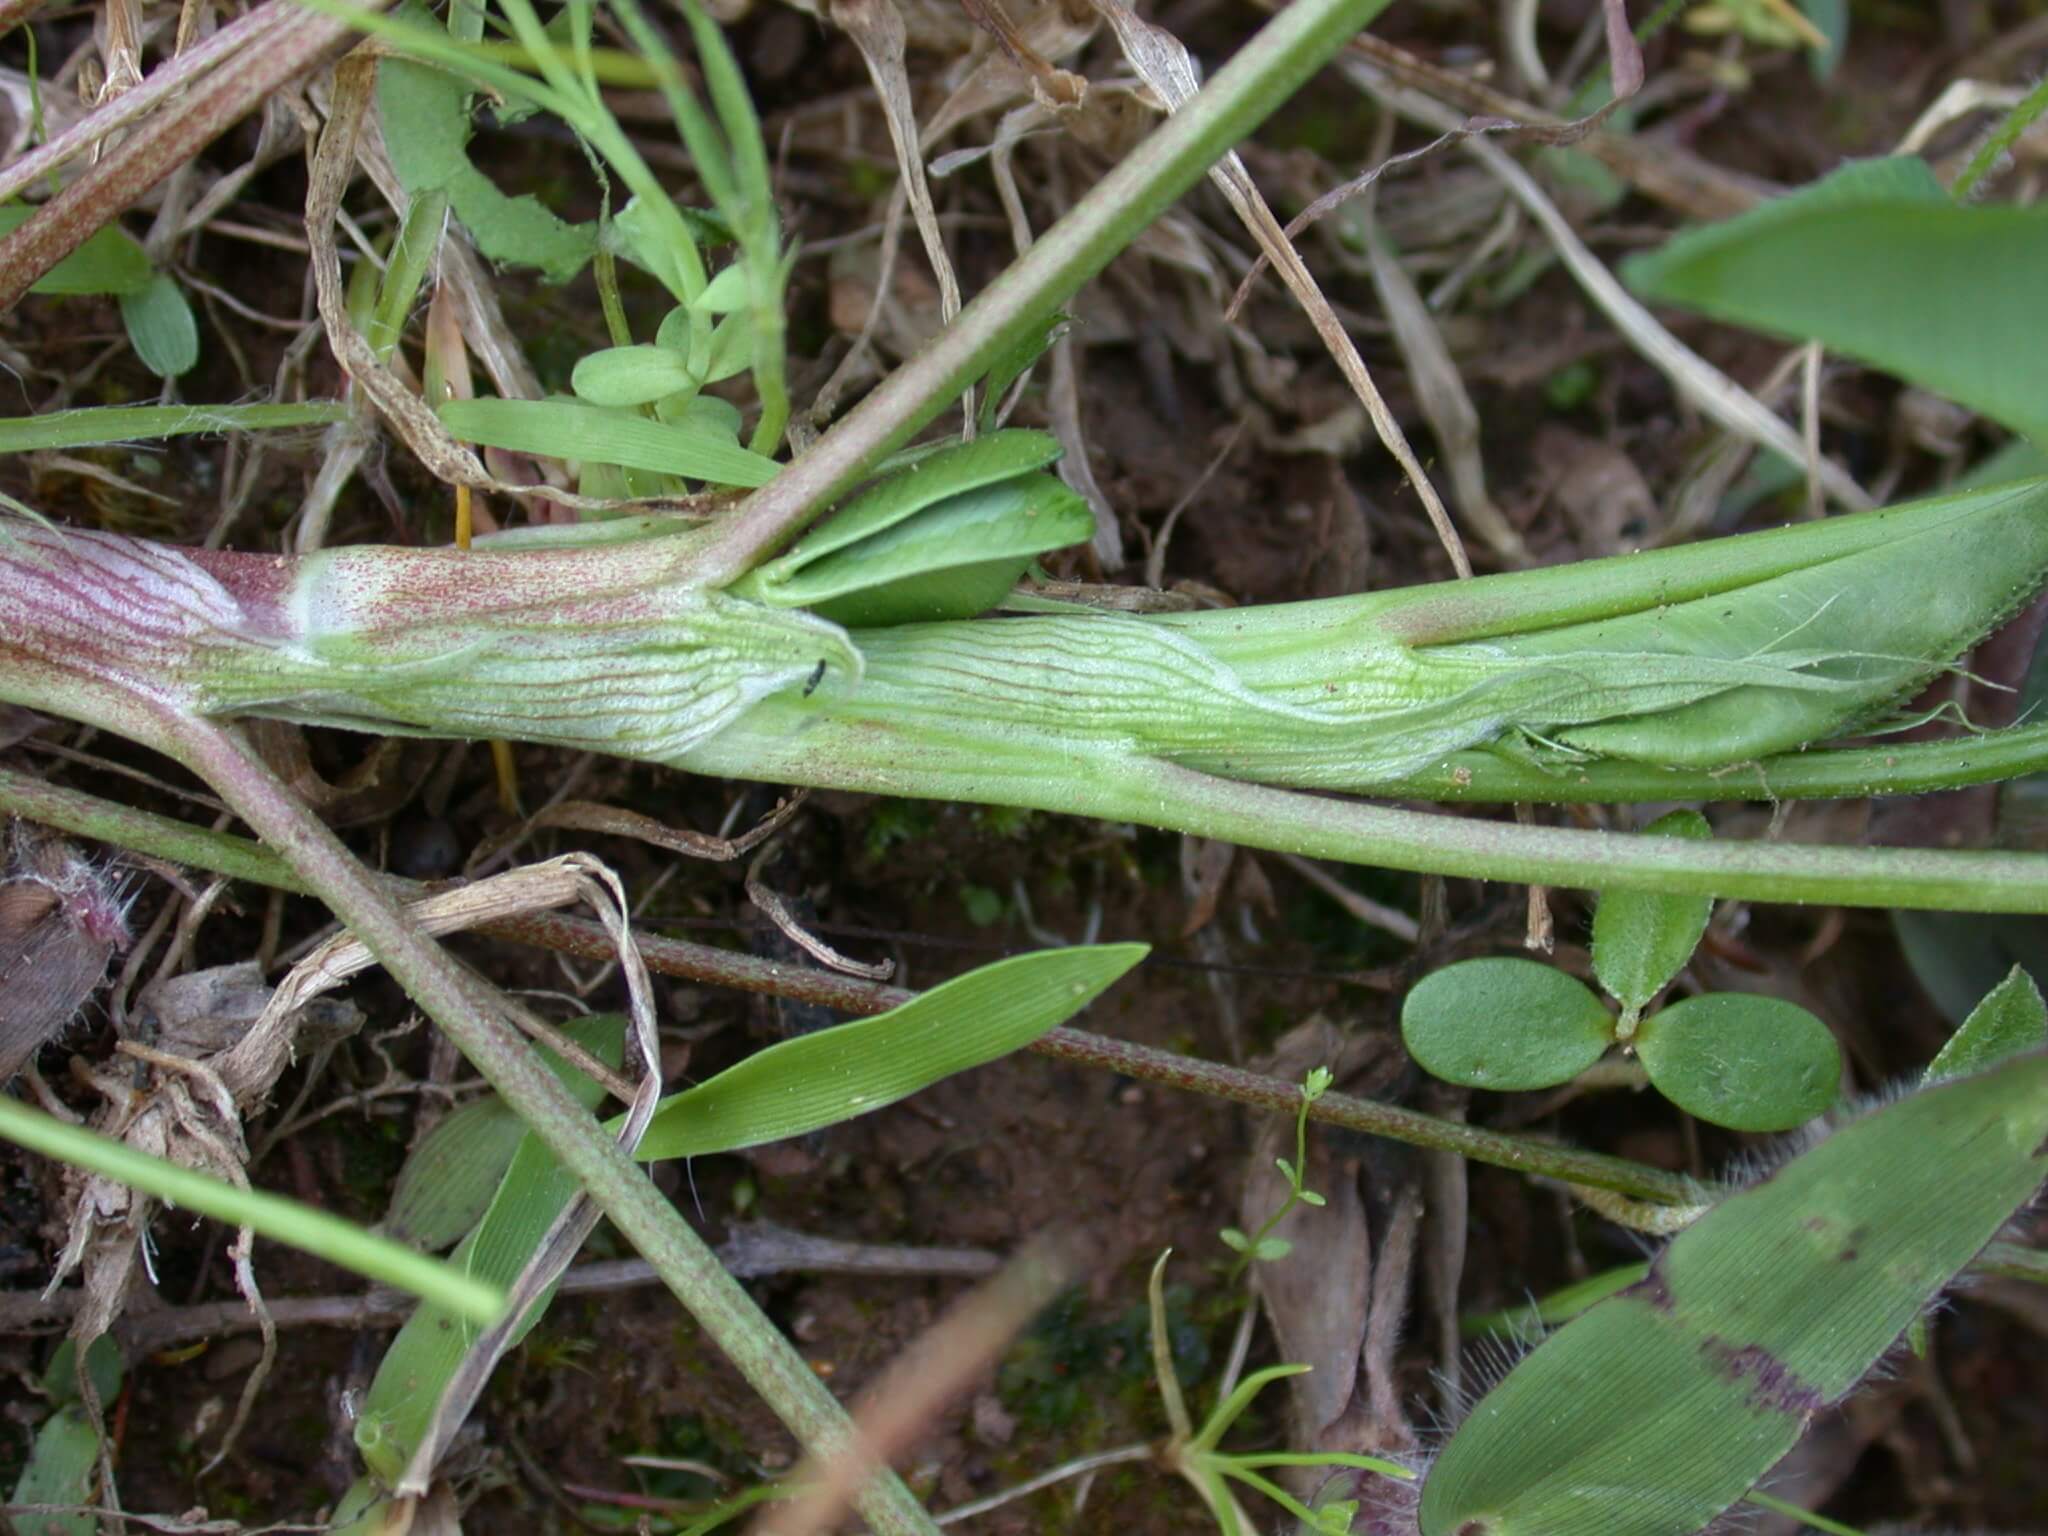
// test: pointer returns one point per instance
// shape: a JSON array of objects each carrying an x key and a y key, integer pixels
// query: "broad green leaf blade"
[
  {"x": 1747, "y": 1062},
  {"x": 1659, "y": 1408},
  {"x": 63, "y": 1464},
  {"x": 2012, "y": 1018},
  {"x": 920, "y": 484},
  {"x": 569, "y": 429},
  {"x": 63, "y": 1468},
  {"x": 1504, "y": 1024},
  {"x": 139, "y": 423},
  {"x": 110, "y": 260},
  {"x": 161, "y": 327},
  {"x": 1641, "y": 940},
  {"x": 789, "y": 1089},
  {"x": 1877, "y": 263}
]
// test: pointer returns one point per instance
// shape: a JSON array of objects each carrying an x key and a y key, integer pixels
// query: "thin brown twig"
[{"x": 244, "y": 80}]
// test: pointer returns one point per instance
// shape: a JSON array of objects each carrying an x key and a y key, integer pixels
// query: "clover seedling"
[{"x": 1749, "y": 1063}]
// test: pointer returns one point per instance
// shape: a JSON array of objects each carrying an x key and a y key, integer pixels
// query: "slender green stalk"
[
  {"x": 463, "y": 1006},
  {"x": 1262, "y": 75},
  {"x": 285, "y": 1221}
]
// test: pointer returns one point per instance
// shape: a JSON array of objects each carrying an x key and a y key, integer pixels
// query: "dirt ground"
[{"x": 616, "y": 1406}]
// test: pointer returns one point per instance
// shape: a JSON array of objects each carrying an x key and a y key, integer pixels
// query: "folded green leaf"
[
  {"x": 945, "y": 536},
  {"x": 1878, "y": 263}
]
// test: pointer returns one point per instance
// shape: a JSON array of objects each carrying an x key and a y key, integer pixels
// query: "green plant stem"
[
  {"x": 1261, "y": 76},
  {"x": 285, "y": 1221},
  {"x": 2003, "y": 137},
  {"x": 461, "y": 1003},
  {"x": 869, "y": 754},
  {"x": 87, "y": 816},
  {"x": 1823, "y": 773}
]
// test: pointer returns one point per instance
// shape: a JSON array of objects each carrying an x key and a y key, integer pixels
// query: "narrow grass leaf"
[
  {"x": 568, "y": 429},
  {"x": 1504, "y": 1024},
  {"x": 286, "y": 1221},
  {"x": 1642, "y": 940},
  {"x": 789, "y": 1089},
  {"x": 1659, "y": 1408},
  {"x": 1878, "y": 263},
  {"x": 161, "y": 327},
  {"x": 1749, "y": 1063},
  {"x": 89, "y": 425}
]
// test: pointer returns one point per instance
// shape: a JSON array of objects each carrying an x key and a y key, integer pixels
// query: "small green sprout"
[
  {"x": 1262, "y": 1246},
  {"x": 1734, "y": 1059},
  {"x": 1195, "y": 1454}
]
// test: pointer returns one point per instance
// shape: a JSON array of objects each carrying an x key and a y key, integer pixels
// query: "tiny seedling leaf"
[
  {"x": 1878, "y": 263},
  {"x": 161, "y": 327},
  {"x": 1504, "y": 1024},
  {"x": 1749, "y": 1063},
  {"x": 1656, "y": 1410},
  {"x": 570, "y": 429},
  {"x": 2012, "y": 1018},
  {"x": 1641, "y": 939}
]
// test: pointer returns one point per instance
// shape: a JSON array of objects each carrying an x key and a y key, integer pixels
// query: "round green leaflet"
[
  {"x": 1641, "y": 939},
  {"x": 1504, "y": 1024},
  {"x": 1749, "y": 1063}
]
